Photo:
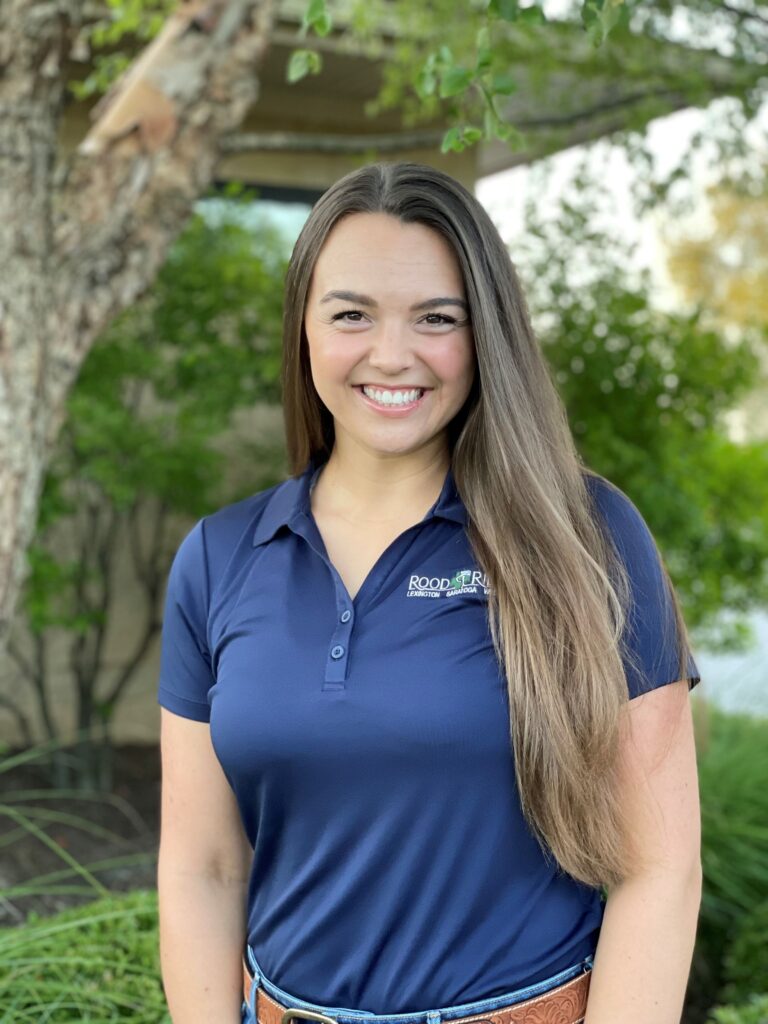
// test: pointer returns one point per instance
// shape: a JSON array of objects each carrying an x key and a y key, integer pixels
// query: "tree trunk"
[
  {"x": 78, "y": 243},
  {"x": 33, "y": 42}
]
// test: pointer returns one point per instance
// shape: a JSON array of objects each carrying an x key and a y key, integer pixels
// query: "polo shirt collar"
[{"x": 291, "y": 501}]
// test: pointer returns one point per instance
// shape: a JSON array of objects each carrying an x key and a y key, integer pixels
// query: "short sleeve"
[
  {"x": 650, "y": 632},
  {"x": 185, "y": 664}
]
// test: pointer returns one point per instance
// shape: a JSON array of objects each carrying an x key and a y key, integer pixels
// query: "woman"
[{"x": 403, "y": 755}]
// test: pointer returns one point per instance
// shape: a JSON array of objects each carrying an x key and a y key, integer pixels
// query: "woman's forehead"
[{"x": 384, "y": 259}]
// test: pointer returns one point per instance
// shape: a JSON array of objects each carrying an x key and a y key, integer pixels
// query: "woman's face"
[{"x": 375, "y": 336}]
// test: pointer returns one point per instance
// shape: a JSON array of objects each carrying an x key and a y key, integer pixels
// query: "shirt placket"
[
  {"x": 338, "y": 653},
  {"x": 337, "y": 660}
]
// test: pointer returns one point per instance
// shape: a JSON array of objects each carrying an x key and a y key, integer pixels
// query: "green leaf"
[
  {"x": 317, "y": 17},
  {"x": 452, "y": 141},
  {"x": 609, "y": 16},
  {"x": 503, "y": 82},
  {"x": 459, "y": 137},
  {"x": 505, "y": 9},
  {"x": 532, "y": 16},
  {"x": 455, "y": 80},
  {"x": 323, "y": 25},
  {"x": 484, "y": 59},
  {"x": 508, "y": 133},
  {"x": 426, "y": 82},
  {"x": 599, "y": 17},
  {"x": 484, "y": 49},
  {"x": 301, "y": 63},
  {"x": 483, "y": 38}
]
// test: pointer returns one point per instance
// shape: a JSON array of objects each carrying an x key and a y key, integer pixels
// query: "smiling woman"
[
  {"x": 396, "y": 356},
  {"x": 415, "y": 659}
]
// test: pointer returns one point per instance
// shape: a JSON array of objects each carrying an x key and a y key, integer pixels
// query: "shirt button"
[
  {"x": 346, "y": 616},
  {"x": 337, "y": 651}
]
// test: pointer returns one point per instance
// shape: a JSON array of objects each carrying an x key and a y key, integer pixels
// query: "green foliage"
[
  {"x": 55, "y": 968},
  {"x": 745, "y": 964},
  {"x": 141, "y": 442},
  {"x": 154, "y": 393},
  {"x": 124, "y": 23},
  {"x": 753, "y": 1011},
  {"x": 141, "y": 19},
  {"x": 440, "y": 75},
  {"x": 648, "y": 394},
  {"x": 467, "y": 90},
  {"x": 317, "y": 19},
  {"x": 600, "y": 16},
  {"x": 105, "y": 69},
  {"x": 95, "y": 963},
  {"x": 483, "y": 78},
  {"x": 217, "y": 303},
  {"x": 477, "y": 86},
  {"x": 733, "y": 783},
  {"x": 303, "y": 63}
]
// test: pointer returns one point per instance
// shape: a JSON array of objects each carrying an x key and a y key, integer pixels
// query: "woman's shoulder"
[
  {"x": 236, "y": 515},
  {"x": 215, "y": 535},
  {"x": 600, "y": 485},
  {"x": 608, "y": 495},
  {"x": 621, "y": 516}
]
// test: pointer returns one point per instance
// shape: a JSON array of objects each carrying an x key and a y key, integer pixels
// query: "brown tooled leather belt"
[{"x": 566, "y": 1004}]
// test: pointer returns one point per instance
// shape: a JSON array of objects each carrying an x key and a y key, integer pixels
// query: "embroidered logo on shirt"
[{"x": 465, "y": 581}]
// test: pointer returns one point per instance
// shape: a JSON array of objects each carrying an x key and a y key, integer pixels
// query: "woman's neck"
[{"x": 379, "y": 491}]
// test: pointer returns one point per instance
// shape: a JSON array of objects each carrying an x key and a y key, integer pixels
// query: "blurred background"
[{"x": 622, "y": 151}]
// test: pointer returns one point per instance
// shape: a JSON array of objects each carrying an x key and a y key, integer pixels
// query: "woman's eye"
[
  {"x": 347, "y": 312},
  {"x": 441, "y": 318}
]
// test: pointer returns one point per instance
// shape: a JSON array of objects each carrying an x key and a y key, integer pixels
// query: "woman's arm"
[
  {"x": 203, "y": 865},
  {"x": 643, "y": 956},
  {"x": 202, "y": 922},
  {"x": 644, "y": 952}
]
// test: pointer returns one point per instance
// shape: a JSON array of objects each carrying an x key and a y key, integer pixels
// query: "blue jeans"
[{"x": 347, "y": 1016}]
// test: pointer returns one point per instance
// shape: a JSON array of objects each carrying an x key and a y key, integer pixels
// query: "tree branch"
[
  {"x": 151, "y": 152},
  {"x": 21, "y": 719},
  {"x": 743, "y": 15},
  {"x": 22, "y": 664},
  {"x": 148, "y": 572}
]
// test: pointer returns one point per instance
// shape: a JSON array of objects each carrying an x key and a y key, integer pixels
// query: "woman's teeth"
[{"x": 393, "y": 397}]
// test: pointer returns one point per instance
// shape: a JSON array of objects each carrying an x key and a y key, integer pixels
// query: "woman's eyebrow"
[{"x": 366, "y": 300}]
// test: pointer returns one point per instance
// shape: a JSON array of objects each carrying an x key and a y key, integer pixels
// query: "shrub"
[
  {"x": 733, "y": 784},
  {"x": 753, "y": 1011},
  {"x": 745, "y": 963},
  {"x": 95, "y": 963}
]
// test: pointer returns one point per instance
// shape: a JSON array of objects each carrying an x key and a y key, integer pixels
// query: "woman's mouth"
[{"x": 392, "y": 402}]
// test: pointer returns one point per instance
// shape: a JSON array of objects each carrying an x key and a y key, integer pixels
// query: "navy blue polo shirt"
[{"x": 367, "y": 744}]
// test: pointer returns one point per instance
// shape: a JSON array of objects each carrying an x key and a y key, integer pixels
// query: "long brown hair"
[{"x": 559, "y": 592}]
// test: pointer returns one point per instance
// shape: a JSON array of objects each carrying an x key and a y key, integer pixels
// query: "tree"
[
  {"x": 80, "y": 242},
  {"x": 648, "y": 394},
  {"x": 154, "y": 397},
  {"x": 726, "y": 269},
  {"x": 722, "y": 273}
]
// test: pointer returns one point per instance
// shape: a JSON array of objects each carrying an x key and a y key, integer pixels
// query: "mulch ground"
[{"x": 133, "y": 816}]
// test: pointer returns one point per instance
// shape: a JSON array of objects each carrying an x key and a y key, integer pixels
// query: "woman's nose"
[{"x": 391, "y": 346}]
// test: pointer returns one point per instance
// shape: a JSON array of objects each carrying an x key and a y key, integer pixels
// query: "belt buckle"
[{"x": 311, "y": 1014}]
